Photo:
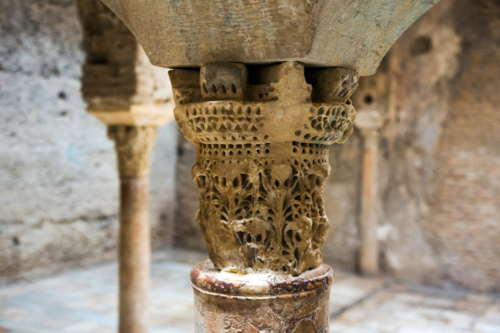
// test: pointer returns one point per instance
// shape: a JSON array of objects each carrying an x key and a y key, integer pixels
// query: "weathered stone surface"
[
  {"x": 224, "y": 81},
  {"x": 133, "y": 147},
  {"x": 332, "y": 84},
  {"x": 58, "y": 184},
  {"x": 261, "y": 161},
  {"x": 187, "y": 233},
  {"x": 263, "y": 302},
  {"x": 327, "y": 33},
  {"x": 342, "y": 204},
  {"x": 305, "y": 326},
  {"x": 341, "y": 195}
]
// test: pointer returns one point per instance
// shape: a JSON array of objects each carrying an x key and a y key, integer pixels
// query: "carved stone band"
[
  {"x": 262, "y": 137},
  {"x": 227, "y": 302}
]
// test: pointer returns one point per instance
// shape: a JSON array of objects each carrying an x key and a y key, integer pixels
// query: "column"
[
  {"x": 369, "y": 123},
  {"x": 262, "y": 136},
  {"x": 133, "y": 147},
  {"x": 124, "y": 91}
]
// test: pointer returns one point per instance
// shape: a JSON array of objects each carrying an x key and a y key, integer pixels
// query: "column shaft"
[
  {"x": 133, "y": 146},
  {"x": 134, "y": 255},
  {"x": 369, "y": 243}
]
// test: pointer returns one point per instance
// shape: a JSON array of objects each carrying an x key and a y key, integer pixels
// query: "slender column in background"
[
  {"x": 124, "y": 91},
  {"x": 369, "y": 124},
  {"x": 369, "y": 250},
  {"x": 133, "y": 147},
  {"x": 372, "y": 105}
]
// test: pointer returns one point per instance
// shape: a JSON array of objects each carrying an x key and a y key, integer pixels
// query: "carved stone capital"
[
  {"x": 262, "y": 137},
  {"x": 133, "y": 146},
  {"x": 370, "y": 124}
]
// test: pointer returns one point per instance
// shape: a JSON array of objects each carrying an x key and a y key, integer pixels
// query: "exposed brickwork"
[
  {"x": 443, "y": 157},
  {"x": 465, "y": 209}
]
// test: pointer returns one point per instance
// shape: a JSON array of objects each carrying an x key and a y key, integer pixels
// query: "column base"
[{"x": 230, "y": 302}]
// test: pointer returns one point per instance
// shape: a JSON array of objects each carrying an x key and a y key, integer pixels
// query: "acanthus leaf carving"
[{"x": 261, "y": 164}]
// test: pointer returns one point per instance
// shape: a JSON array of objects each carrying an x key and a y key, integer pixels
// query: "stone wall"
[
  {"x": 439, "y": 180},
  {"x": 187, "y": 234},
  {"x": 465, "y": 208},
  {"x": 58, "y": 179},
  {"x": 445, "y": 160}
]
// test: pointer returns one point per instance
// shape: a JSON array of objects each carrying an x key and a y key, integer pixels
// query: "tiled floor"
[
  {"x": 84, "y": 301},
  {"x": 405, "y": 310}
]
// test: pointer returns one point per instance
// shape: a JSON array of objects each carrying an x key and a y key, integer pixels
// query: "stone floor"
[{"x": 84, "y": 301}]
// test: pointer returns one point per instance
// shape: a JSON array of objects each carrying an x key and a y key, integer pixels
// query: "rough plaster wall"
[
  {"x": 421, "y": 74},
  {"x": 465, "y": 207},
  {"x": 342, "y": 204},
  {"x": 162, "y": 200},
  {"x": 187, "y": 234},
  {"x": 58, "y": 183},
  {"x": 441, "y": 199}
]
